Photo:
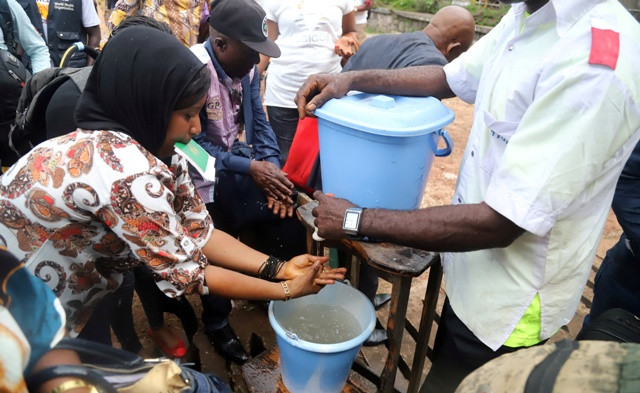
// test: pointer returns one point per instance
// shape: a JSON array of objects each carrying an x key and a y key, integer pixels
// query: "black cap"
[{"x": 245, "y": 21}]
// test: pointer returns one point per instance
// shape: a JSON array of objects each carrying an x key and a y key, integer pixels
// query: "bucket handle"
[{"x": 448, "y": 142}]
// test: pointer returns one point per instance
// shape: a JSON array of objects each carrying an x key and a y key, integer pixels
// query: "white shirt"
[
  {"x": 308, "y": 32},
  {"x": 550, "y": 136},
  {"x": 361, "y": 16},
  {"x": 89, "y": 14}
]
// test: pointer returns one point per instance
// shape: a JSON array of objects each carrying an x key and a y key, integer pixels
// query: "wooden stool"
[{"x": 398, "y": 265}]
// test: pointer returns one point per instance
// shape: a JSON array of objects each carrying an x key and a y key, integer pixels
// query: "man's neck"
[{"x": 534, "y": 5}]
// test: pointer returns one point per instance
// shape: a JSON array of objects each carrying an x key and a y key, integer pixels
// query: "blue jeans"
[
  {"x": 204, "y": 382},
  {"x": 616, "y": 283}
]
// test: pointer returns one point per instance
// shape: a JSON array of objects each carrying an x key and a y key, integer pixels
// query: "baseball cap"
[{"x": 245, "y": 21}]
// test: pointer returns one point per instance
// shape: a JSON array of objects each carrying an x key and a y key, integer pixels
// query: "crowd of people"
[{"x": 103, "y": 206}]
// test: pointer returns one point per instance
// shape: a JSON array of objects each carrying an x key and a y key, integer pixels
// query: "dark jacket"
[{"x": 64, "y": 27}]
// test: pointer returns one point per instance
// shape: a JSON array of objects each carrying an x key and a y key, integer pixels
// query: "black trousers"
[
  {"x": 155, "y": 303},
  {"x": 457, "y": 353},
  {"x": 284, "y": 122},
  {"x": 114, "y": 312}
]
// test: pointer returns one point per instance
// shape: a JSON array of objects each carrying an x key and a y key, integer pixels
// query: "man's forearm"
[
  {"x": 411, "y": 81},
  {"x": 455, "y": 228}
]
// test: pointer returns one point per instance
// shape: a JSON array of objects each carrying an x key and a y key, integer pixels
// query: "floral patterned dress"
[{"x": 81, "y": 209}]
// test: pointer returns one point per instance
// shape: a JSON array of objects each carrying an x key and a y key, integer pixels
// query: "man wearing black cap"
[{"x": 253, "y": 197}]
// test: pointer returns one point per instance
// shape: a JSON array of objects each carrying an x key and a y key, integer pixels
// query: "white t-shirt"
[
  {"x": 308, "y": 32},
  {"x": 361, "y": 16},
  {"x": 89, "y": 14}
]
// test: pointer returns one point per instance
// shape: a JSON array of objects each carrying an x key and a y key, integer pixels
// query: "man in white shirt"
[
  {"x": 557, "y": 115},
  {"x": 361, "y": 9}
]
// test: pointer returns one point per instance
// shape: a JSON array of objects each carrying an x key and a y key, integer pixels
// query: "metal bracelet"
[{"x": 285, "y": 288}]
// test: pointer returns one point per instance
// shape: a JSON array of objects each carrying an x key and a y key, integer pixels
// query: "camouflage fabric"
[{"x": 593, "y": 367}]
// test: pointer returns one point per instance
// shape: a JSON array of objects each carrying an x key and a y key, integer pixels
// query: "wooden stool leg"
[
  {"x": 401, "y": 285},
  {"x": 426, "y": 323},
  {"x": 354, "y": 273}
]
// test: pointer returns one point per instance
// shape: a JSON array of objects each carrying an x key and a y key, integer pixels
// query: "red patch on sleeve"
[{"x": 605, "y": 47}]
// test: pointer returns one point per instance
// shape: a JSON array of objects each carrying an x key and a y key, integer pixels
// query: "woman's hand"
[
  {"x": 315, "y": 277},
  {"x": 300, "y": 265}
]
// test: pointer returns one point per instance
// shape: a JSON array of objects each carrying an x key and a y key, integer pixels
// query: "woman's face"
[{"x": 183, "y": 125}]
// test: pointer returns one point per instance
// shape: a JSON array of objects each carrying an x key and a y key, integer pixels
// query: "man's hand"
[
  {"x": 280, "y": 208},
  {"x": 346, "y": 46},
  {"x": 329, "y": 215},
  {"x": 272, "y": 181},
  {"x": 320, "y": 88}
]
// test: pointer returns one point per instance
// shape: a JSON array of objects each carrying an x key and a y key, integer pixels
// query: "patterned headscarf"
[{"x": 135, "y": 85}]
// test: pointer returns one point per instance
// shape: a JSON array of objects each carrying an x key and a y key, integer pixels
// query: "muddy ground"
[{"x": 248, "y": 318}]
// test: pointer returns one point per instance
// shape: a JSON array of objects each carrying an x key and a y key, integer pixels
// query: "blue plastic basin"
[
  {"x": 377, "y": 150},
  {"x": 309, "y": 367}
]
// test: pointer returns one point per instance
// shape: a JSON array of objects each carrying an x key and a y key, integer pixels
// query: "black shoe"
[
  {"x": 380, "y": 300},
  {"x": 377, "y": 337},
  {"x": 227, "y": 344}
]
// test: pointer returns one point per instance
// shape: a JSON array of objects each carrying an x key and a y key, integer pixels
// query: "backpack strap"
[
  {"x": 543, "y": 377},
  {"x": 7, "y": 23}
]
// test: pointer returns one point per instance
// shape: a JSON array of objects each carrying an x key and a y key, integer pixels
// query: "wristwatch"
[{"x": 351, "y": 223}]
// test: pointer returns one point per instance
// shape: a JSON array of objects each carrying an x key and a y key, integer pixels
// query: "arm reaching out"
[
  {"x": 235, "y": 263},
  {"x": 410, "y": 81},
  {"x": 452, "y": 228}
]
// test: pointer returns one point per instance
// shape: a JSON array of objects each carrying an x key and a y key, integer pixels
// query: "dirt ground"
[{"x": 248, "y": 318}]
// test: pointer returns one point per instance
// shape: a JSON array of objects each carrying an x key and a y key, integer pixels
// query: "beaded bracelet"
[
  {"x": 270, "y": 268},
  {"x": 285, "y": 288}
]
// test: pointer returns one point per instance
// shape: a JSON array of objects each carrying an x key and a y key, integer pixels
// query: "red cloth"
[
  {"x": 605, "y": 47},
  {"x": 303, "y": 152}
]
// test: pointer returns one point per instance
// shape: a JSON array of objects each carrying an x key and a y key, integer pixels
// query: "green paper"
[{"x": 198, "y": 158}]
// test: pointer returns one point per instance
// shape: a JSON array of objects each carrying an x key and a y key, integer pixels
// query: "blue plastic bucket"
[
  {"x": 309, "y": 367},
  {"x": 377, "y": 150}
]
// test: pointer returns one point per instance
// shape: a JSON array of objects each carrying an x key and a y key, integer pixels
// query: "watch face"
[{"x": 351, "y": 220}]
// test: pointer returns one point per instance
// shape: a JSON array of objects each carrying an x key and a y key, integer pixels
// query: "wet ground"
[{"x": 249, "y": 318}]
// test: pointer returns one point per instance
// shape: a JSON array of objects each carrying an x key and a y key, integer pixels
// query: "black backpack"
[
  {"x": 13, "y": 76},
  {"x": 30, "y": 126},
  {"x": 7, "y": 23}
]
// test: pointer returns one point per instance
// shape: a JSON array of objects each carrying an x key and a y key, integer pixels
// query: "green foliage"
[
  {"x": 429, "y": 6},
  {"x": 402, "y": 5},
  {"x": 486, "y": 13}
]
